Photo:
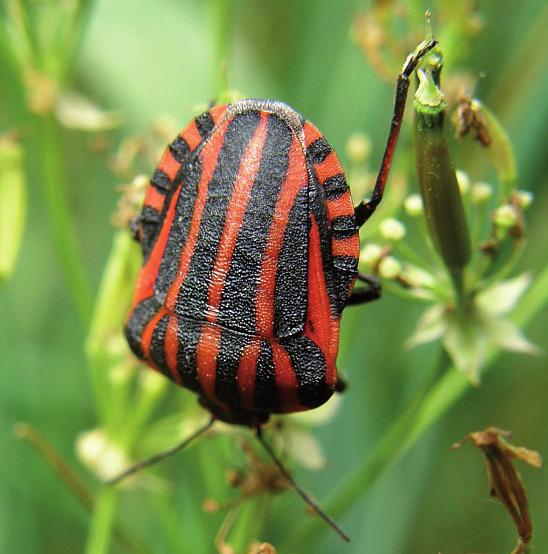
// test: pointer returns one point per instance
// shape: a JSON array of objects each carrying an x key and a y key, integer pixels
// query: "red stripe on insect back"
[
  {"x": 147, "y": 276},
  {"x": 192, "y": 135},
  {"x": 320, "y": 326},
  {"x": 217, "y": 113},
  {"x": 247, "y": 371},
  {"x": 208, "y": 156},
  {"x": 154, "y": 199},
  {"x": 329, "y": 167},
  {"x": 349, "y": 247},
  {"x": 311, "y": 133},
  {"x": 168, "y": 164},
  {"x": 146, "y": 337},
  {"x": 207, "y": 351},
  {"x": 293, "y": 183},
  {"x": 171, "y": 348},
  {"x": 286, "y": 380},
  {"x": 340, "y": 206},
  {"x": 247, "y": 172}
]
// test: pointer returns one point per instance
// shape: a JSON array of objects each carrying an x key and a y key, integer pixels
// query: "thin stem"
[
  {"x": 102, "y": 522},
  {"x": 54, "y": 460},
  {"x": 457, "y": 278},
  {"x": 61, "y": 221},
  {"x": 411, "y": 425},
  {"x": 412, "y": 256},
  {"x": 70, "y": 478}
]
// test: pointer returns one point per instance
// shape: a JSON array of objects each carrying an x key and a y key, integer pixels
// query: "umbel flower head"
[
  {"x": 475, "y": 234},
  {"x": 468, "y": 336}
]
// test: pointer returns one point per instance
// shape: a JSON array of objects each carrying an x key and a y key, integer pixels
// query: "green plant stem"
[
  {"x": 62, "y": 224},
  {"x": 102, "y": 522},
  {"x": 69, "y": 477},
  {"x": 409, "y": 427},
  {"x": 53, "y": 459}
]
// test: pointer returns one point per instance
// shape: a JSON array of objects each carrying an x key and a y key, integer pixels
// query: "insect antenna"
[
  {"x": 161, "y": 455},
  {"x": 298, "y": 489}
]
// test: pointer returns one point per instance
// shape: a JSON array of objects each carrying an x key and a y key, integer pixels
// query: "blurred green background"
[{"x": 156, "y": 57}]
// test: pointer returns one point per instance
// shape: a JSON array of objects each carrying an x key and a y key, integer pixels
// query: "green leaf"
[
  {"x": 508, "y": 336},
  {"x": 13, "y": 204},
  {"x": 430, "y": 327},
  {"x": 502, "y": 297}
]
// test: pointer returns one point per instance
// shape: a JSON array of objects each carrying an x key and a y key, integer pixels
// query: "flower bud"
[
  {"x": 389, "y": 268},
  {"x": 524, "y": 198},
  {"x": 413, "y": 205},
  {"x": 417, "y": 277},
  {"x": 97, "y": 452},
  {"x": 370, "y": 254},
  {"x": 440, "y": 192},
  {"x": 392, "y": 229},
  {"x": 506, "y": 216},
  {"x": 481, "y": 192}
]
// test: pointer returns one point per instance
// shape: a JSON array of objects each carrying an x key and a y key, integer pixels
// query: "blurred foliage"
[{"x": 133, "y": 73}]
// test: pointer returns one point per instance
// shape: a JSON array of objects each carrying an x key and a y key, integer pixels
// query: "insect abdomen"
[{"x": 258, "y": 375}]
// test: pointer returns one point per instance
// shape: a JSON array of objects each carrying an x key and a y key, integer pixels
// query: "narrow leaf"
[{"x": 13, "y": 204}]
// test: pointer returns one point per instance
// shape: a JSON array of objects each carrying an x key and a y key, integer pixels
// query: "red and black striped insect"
[{"x": 250, "y": 244}]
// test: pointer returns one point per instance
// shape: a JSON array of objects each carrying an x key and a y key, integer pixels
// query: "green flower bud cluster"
[{"x": 455, "y": 241}]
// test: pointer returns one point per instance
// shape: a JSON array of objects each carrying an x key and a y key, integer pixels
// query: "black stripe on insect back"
[
  {"x": 160, "y": 181},
  {"x": 193, "y": 295},
  {"x": 237, "y": 309},
  {"x": 347, "y": 264},
  {"x": 138, "y": 320},
  {"x": 188, "y": 334},
  {"x": 157, "y": 351},
  {"x": 189, "y": 176},
  {"x": 309, "y": 364},
  {"x": 205, "y": 124},
  {"x": 180, "y": 150},
  {"x": 344, "y": 227},
  {"x": 267, "y": 396},
  {"x": 335, "y": 186},
  {"x": 319, "y": 150},
  {"x": 231, "y": 348},
  {"x": 318, "y": 208},
  {"x": 146, "y": 228},
  {"x": 238, "y": 304},
  {"x": 290, "y": 293}
]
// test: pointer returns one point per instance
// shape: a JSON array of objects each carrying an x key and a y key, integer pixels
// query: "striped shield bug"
[{"x": 250, "y": 245}]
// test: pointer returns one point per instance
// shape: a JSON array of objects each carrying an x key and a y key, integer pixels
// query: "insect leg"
[
  {"x": 365, "y": 209},
  {"x": 340, "y": 385},
  {"x": 161, "y": 455},
  {"x": 298, "y": 489},
  {"x": 365, "y": 294}
]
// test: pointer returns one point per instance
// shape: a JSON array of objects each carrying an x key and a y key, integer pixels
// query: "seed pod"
[{"x": 436, "y": 174}]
